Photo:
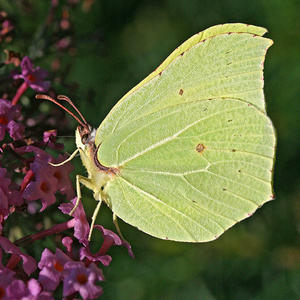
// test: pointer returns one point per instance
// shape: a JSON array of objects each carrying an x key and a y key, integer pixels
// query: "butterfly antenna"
[
  {"x": 63, "y": 97},
  {"x": 46, "y": 97}
]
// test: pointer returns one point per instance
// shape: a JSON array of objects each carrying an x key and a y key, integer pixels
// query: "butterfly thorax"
[{"x": 98, "y": 174}]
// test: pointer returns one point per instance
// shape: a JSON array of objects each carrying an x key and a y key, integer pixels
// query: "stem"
[
  {"x": 19, "y": 93},
  {"x": 40, "y": 235},
  {"x": 13, "y": 261}
]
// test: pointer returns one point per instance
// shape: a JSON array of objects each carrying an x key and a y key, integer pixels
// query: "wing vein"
[{"x": 160, "y": 201}]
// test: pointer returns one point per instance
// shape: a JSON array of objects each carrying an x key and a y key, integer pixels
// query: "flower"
[
  {"x": 52, "y": 267},
  {"x": 112, "y": 239},
  {"x": 44, "y": 186},
  {"x": 29, "y": 291},
  {"x": 61, "y": 173},
  {"x": 49, "y": 139},
  {"x": 8, "y": 196},
  {"x": 81, "y": 227},
  {"x": 8, "y": 115},
  {"x": 6, "y": 277},
  {"x": 29, "y": 263},
  {"x": 97, "y": 257},
  {"x": 109, "y": 239},
  {"x": 48, "y": 179},
  {"x": 34, "y": 77},
  {"x": 67, "y": 242},
  {"x": 82, "y": 279}
]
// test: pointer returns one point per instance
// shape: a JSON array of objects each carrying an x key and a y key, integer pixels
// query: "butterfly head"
[{"x": 85, "y": 136}]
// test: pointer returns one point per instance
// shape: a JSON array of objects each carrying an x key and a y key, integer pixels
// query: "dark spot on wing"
[
  {"x": 181, "y": 92},
  {"x": 200, "y": 148},
  {"x": 233, "y": 150}
]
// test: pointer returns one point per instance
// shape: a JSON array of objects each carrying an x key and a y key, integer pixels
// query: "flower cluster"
[{"x": 29, "y": 185}]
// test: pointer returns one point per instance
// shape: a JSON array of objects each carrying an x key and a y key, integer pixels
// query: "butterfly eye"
[
  {"x": 84, "y": 131},
  {"x": 84, "y": 138}
]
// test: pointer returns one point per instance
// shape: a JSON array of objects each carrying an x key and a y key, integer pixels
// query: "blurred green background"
[{"x": 112, "y": 46}]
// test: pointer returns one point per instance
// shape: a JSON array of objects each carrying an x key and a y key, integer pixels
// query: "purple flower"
[
  {"x": 34, "y": 77},
  {"x": 50, "y": 140},
  {"x": 82, "y": 279},
  {"x": 67, "y": 242},
  {"x": 6, "y": 277},
  {"x": 111, "y": 239},
  {"x": 97, "y": 257},
  {"x": 29, "y": 263},
  {"x": 30, "y": 291},
  {"x": 81, "y": 227},
  {"x": 52, "y": 268},
  {"x": 8, "y": 114},
  {"x": 61, "y": 173},
  {"x": 8, "y": 196},
  {"x": 43, "y": 187},
  {"x": 48, "y": 179}
]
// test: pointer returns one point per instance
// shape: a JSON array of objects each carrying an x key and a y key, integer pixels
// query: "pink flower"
[
  {"x": 29, "y": 263},
  {"x": 82, "y": 279},
  {"x": 97, "y": 257},
  {"x": 49, "y": 139},
  {"x": 109, "y": 239},
  {"x": 48, "y": 179},
  {"x": 6, "y": 277},
  {"x": 29, "y": 291},
  {"x": 52, "y": 268},
  {"x": 8, "y": 115},
  {"x": 8, "y": 196},
  {"x": 112, "y": 239},
  {"x": 34, "y": 77},
  {"x": 81, "y": 227}
]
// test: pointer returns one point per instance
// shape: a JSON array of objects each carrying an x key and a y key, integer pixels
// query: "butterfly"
[{"x": 189, "y": 151}]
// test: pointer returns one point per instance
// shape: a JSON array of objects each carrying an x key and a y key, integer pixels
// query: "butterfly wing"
[
  {"x": 191, "y": 171},
  {"x": 193, "y": 144},
  {"x": 222, "y": 61}
]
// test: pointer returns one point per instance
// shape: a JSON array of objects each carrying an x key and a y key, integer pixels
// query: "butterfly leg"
[
  {"x": 65, "y": 161},
  {"x": 115, "y": 221},
  {"x": 96, "y": 211},
  {"x": 85, "y": 181}
]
